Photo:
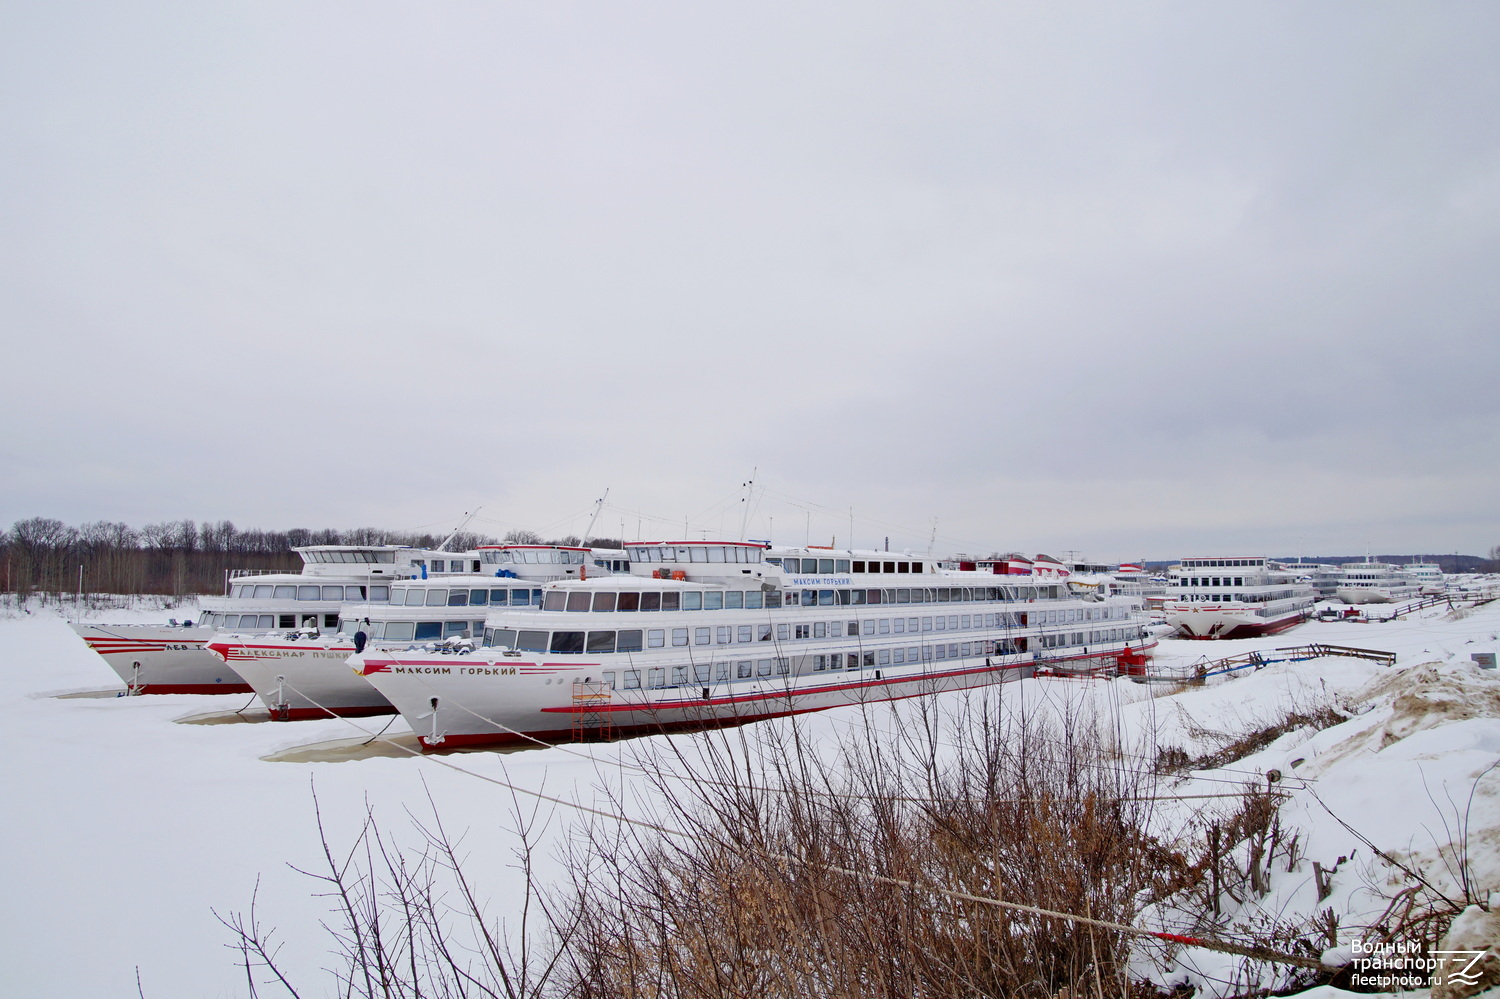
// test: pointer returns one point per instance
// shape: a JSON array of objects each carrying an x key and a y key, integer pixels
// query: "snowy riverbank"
[{"x": 126, "y": 829}]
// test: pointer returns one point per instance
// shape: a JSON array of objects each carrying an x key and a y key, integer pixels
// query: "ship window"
[
  {"x": 630, "y": 602},
  {"x": 763, "y": 667},
  {"x": 427, "y": 630},
  {"x": 286, "y": 593},
  {"x": 657, "y": 677},
  {"x": 772, "y": 599},
  {"x": 859, "y": 566},
  {"x": 498, "y": 598},
  {"x": 437, "y": 598},
  {"x": 554, "y": 600},
  {"x": 702, "y": 636},
  {"x": 716, "y": 554},
  {"x": 287, "y": 621},
  {"x": 322, "y": 593},
  {"x": 458, "y": 598},
  {"x": 479, "y": 598},
  {"x": 600, "y": 643},
  {"x": 820, "y": 630},
  {"x": 604, "y": 601},
  {"x": 456, "y": 629},
  {"x": 531, "y": 641},
  {"x": 724, "y": 634},
  {"x": 656, "y": 638},
  {"x": 825, "y": 566},
  {"x": 632, "y": 679},
  {"x": 650, "y": 601},
  {"x": 701, "y": 672},
  {"x": 679, "y": 636},
  {"x": 745, "y": 633},
  {"x": 753, "y": 599},
  {"x": 743, "y": 671},
  {"x": 399, "y": 631},
  {"x": 629, "y": 641},
  {"x": 713, "y": 600},
  {"x": 734, "y": 599},
  {"x": 669, "y": 601},
  {"x": 679, "y": 676},
  {"x": 900, "y": 625},
  {"x": 692, "y": 600},
  {"x": 579, "y": 601}
]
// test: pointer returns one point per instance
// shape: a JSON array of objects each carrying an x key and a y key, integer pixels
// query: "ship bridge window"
[
  {"x": 332, "y": 592},
  {"x": 378, "y": 594},
  {"x": 436, "y": 598},
  {"x": 669, "y": 601},
  {"x": 629, "y": 602},
  {"x": 604, "y": 601},
  {"x": 531, "y": 641},
  {"x": 567, "y": 641},
  {"x": 285, "y": 593},
  {"x": 478, "y": 598},
  {"x": 650, "y": 601},
  {"x": 692, "y": 600}
]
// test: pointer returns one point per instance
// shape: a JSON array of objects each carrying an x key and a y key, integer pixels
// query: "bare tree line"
[{"x": 178, "y": 557}]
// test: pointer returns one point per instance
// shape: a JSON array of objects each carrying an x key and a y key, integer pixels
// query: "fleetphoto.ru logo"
[{"x": 1405, "y": 965}]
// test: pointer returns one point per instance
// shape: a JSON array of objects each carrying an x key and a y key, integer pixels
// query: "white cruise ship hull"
[
  {"x": 162, "y": 659},
  {"x": 491, "y": 698},
  {"x": 301, "y": 679},
  {"x": 1211, "y": 621},
  {"x": 1376, "y": 594}
]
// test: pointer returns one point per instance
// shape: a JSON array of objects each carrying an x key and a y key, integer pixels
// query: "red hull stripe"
[
  {"x": 311, "y": 714},
  {"x": 196, "y": 688}
]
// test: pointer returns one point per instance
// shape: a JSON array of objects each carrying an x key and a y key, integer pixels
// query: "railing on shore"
[{"x": 1255, "y": 660}]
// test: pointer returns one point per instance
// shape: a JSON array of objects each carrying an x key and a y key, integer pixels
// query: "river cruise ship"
[
  {"x": 1375, "y": 583},
  {"x": 1235, "y": 597},
  {"x": 300, "y": 674},
  {"x": 172, "y": 659},
  {"x": 701, "y": 634}
]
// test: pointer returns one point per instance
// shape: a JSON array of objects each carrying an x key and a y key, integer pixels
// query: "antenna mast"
[
  {"x": 745, "y": 502},
  {"x": 461, "y": 525},
  {"x": 598, "y": 506}
]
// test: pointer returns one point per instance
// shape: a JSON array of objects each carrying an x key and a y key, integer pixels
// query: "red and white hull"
[
  {"x": 299, "y": 679},
  {"x": 162, "y": 659},
  {"x": 493, "y": 698}
]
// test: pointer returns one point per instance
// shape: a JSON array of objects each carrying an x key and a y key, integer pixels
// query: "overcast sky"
[{"x": 1136, "y": 280}]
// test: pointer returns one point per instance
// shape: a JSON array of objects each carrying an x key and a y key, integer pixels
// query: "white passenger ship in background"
[
  {"x": 1235, "y": 597},
  {"x": 700, "y": 634},
  {"x": 1375, "y": 583},
  {"x": 301, "y": 675},
  {"x": 171, "y": 659}
]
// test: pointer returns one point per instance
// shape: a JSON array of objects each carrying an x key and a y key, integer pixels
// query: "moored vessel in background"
[
  {"x": 1375, "y": 583},
  {"x": 301, "y": 675},
  {"x": 171, "y": 659},
  {"x": 1240, "y": 597}
]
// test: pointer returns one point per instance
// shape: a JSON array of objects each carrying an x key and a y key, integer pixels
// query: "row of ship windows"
[
  {"x": 268, "y": 622},
  {"x": 1212, "y": 581},
  {"x": 671, "y": 600},
  {"x": 1241, "y": 598},
  {"x": 533, "y": 556},
  {"x": 1223, "y": 563},
  {"x": 830, "y": 566},
  {"x": 604, "y": 642}
]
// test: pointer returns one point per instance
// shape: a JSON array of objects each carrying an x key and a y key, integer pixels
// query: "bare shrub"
[{"x": 846, "y": 877}]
